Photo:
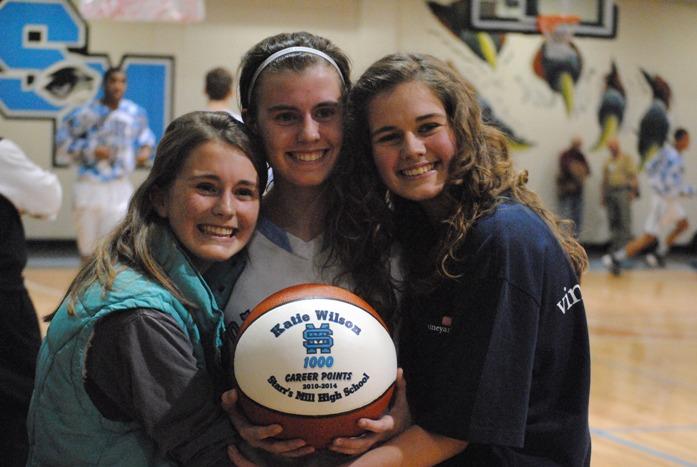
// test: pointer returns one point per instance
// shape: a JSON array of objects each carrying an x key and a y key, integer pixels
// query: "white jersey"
[{"x": 277, "y": 260}]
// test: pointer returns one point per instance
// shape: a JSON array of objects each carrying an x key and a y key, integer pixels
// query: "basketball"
[{"x": 315, "y": 359}]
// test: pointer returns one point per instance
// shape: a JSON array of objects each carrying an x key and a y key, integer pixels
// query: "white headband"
[{"x": 286, "y": 51}]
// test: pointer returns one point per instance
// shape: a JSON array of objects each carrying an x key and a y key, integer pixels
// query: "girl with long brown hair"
[
  {"x": 493, "y": 336},
  {"x": 130, "y": 371}
]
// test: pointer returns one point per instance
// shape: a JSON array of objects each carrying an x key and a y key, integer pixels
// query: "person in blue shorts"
[{"x": 493, "y": 337}]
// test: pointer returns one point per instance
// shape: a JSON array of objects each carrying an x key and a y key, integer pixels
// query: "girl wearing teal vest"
[{"x": 131, "y": 370}]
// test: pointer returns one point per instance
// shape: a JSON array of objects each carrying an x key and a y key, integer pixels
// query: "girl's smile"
[
  {"x": 300, "y": 121},
  {"x": 213, "y": 204},
  {"x": 412, "y": 141}
]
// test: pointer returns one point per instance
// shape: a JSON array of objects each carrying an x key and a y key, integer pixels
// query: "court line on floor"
[
  {"x": 652, "y": 429},
  {"x": 596, "y": 265},
  {"x": 640, "y": 447}
]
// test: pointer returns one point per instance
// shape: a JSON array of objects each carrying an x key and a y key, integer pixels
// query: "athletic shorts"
[
  {"x": 664, "y": 212},
  {"x": 97, "y": 208}
]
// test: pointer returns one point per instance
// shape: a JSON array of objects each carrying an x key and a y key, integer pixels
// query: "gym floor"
[{"x": 643, "y": 328}]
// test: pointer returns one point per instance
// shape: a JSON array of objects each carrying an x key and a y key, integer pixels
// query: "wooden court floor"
[{"x": 643, "y": 328}]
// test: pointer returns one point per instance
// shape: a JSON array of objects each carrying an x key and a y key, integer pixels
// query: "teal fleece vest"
[{"x": 65, "y": 428}]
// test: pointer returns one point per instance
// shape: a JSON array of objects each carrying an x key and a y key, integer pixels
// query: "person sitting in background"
[{"x": 25, "y": 188}]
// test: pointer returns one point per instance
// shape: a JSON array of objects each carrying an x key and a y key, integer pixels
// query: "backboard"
[{"x": 598, "y": 18}]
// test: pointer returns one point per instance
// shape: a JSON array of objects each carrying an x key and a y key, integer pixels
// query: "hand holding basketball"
[
  {"x": 376, "y": 431},
  {"x": 262, "y": 436},
  {"x": 315, "y": 359}
]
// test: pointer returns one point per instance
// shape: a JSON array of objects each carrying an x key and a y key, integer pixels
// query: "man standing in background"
[
  {"x": 107, "y": 139},
  {"x": 25, "y": 188},
  {"x": 219, "y": 92},
  {"x": 573, "y": 171},
  {"x": 619, "y": 188}
]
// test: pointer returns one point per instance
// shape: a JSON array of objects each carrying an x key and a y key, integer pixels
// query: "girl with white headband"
[{"x": 293, "y": 88}]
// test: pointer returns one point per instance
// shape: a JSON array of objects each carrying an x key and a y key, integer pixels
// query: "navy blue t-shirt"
[{"x": 500, "y": 357}]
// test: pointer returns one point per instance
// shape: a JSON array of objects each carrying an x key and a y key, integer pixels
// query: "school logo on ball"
[{"x": 314, "y": 358}]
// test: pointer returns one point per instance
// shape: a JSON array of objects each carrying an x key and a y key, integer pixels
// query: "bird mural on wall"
[
  {"x": 654, "y": 125},
  {"x": 455, "y": 18},
  {"x": 67, "y": 85},
  {"x": 559, "y": 63},
  {"x": 67, "y": 80},
  {"x": 611, "y": 110},
  {"x": 515, "y": 142}
]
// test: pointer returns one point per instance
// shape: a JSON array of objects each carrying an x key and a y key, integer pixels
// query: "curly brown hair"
[{"x": 481, "y": 177}]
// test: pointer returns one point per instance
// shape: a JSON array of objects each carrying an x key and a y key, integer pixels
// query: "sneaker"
[
  {"x": 612, "y": 264},
  {"x": 655, "y": 260},
  {"x": 652, "y": 248}
]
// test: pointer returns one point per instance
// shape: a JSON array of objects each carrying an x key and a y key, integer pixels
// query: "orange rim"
[{"x": 548, "y": 23}]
